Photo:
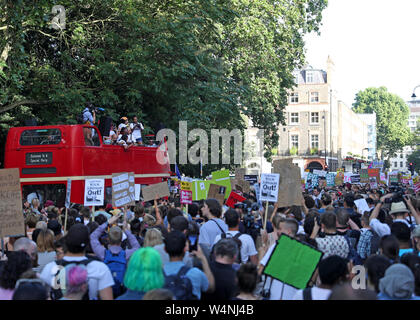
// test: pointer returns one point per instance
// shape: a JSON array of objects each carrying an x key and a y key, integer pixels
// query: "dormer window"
[{"x": 309, "y": 77}]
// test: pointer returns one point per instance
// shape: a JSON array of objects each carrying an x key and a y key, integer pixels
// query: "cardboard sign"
[
  {"x": 242, "y": 185},
  {"x": 11, "y": 217},
  {"x": 94, "y": 192},
  {"x": 186, "y": 197},
  {"x": 269, "y": 187},
  {"x": 68, "y": 194},
  {"x": 290, "y": 188},
  {"x": 233, "y": 199},
  {"x": 240, "y": 173},
  {"x": 222, "y": 178},
  {"x": 393, "y": 178},
  {"x": 217, "y": 192},
  {"x": 253, "y": 179},
  {"x": 123, "y": 189},
  {"x": 364, "y": 176},
  {"x": 160, "y": 190},
  {"x": 292, "y": 262},
  {"x": 374, "y": 173}
]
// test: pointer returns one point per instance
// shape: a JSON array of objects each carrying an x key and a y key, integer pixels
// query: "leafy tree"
[
  {"x": 207, "y": 62},
  {"x": 415, "y": 156},
  {"x": 391, "y": 118}
]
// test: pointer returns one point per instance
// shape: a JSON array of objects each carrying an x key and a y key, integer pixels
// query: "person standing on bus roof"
[
  {"x": 123, "y": 124},
  {"x": 89, "y": 116},
  {"x": 136, "y": 128}
]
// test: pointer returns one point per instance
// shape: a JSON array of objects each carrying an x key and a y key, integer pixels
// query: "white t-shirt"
[
  {"x": 137, "y": 132},
  {"x": 247, "y": 248},
  {"x": 317, "y": 294},
  {"x": 99, "y": 275},
  {"x": 121, "y": 125},
  {"x": 277, "y": 286}
]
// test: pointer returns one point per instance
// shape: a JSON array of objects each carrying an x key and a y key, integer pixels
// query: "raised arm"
[
  {"x": 413, "y": 210},
  {"x": 159, "y": 220}
]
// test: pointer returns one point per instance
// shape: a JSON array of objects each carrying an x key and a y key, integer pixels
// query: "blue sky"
[{"x": 372, "y": 43}]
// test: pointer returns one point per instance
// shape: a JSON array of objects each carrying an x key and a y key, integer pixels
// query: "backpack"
[
  {"x": 374, "y": 242},
  {"x": 117, "y": 264},
  {"x": 57, "y": 293},
  {"x": 353, "y": 255},
  {"x": 180, "y": 285},
  {"x": 238, "y": 242}
]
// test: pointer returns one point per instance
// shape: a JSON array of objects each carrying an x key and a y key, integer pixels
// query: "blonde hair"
[
  {"x": 35, "y": 203},
  {"x": 152, "y": 238},
  {"x": 45, "y": 241},
  {"x": 149, "y": 219}
]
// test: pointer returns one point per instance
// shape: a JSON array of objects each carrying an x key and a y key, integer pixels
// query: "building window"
[
  {"x": 294, "y": 97},
  {"x": 295, "y": 141},
  {"x": 401, "y": 164},
  {"x": 296, "y": 78},
  {"x": 396, "y": 164},
  {"x": 314, "y": 117},
  {"x": 309, "y": 77},
  {"x": 314, "y": 141},
  {"x": 294, "y": 117},
  {"x": 314, "y": 97}
]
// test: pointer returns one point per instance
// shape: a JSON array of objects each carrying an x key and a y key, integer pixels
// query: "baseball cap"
[
  {"x": 124, "y": 118},
  {"x": 77, "y": 236},
  {"x": 54, "y": 226}
]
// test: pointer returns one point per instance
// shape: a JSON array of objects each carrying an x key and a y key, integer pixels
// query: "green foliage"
[
  {"x": 207, "y": 62},
  {"x": 293, "y": 151},
  {"x": 314, "y": 151},
  {"x": 391, "y": 118}
]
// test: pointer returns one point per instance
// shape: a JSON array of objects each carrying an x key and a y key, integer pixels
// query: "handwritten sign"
[
  {"x": 330, "y": 179},
  {"x": 364, "y": 176},
  {"x": 11, "y": 217},
  {"x": 269, "y": 187},
  {"x": 233, "y": 199},
  {"x": 186, "y": 197},
  {"x": 123, "y": 189}
]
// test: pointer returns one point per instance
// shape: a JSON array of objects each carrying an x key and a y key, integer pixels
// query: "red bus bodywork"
[{"x": 71, "y": 158}]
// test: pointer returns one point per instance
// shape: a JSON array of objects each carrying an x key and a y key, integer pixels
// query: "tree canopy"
[
  {"x": 391, "y": 118},
  {"x": 203, "y": 61}
]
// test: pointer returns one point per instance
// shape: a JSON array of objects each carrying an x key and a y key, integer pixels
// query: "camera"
[{"x": 398, "y": 194}]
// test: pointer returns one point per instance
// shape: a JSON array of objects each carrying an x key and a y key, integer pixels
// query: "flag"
[{"x": 177, "y": 171}]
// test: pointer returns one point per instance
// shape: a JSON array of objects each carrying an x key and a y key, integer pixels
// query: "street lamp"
[
  {"x": 414, "y": 93},
  {"x": 325, "y": 139}
]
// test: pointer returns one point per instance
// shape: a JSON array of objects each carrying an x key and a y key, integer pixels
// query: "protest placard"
[
  {"x": 94, "y": 192},
  {"x": 292, "y": 262},
  {"x": 319, "y": 173},
  {"x": 186, "y": 197},
  {"x": 123, "y": 189},
  {"x": 160, "y": 190},
  {"x": 137, "y": 191},
  {"x": 339, "y": 178},
  {"x": 383, "y": 178},
  {"x": 290, "y": 188},
  {"x": 374, "y": 173},
  {"x": 361, "y": 205},
  {"x": 252, "y": 178},
  {"x": 242, "y": 185},
  {"x": 185, "y": 185},
  {"x": 68, "y": 194},
  {"x": 393, "y": 177},
  {"x": 11, "y": 217},
  {"x": 200, "y": 189},
  {"x": 330, "y": 179},
  {"x": 355, "y": 178},
  {"x": 315, "y": 181},
  {"x": 216, "y": 192},
  {"x": 269, "y": 187},
  {"x": 364, "y": 176},
  {"x": 240, "y": 173},
  {"x": 233, "y": 199},
  {"x": 373, "y": 183}
]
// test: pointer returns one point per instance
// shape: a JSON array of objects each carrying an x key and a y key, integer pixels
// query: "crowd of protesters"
[{"x": 158, "y": 250}]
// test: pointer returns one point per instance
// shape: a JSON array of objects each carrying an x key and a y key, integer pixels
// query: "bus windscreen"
[{"x": 40, "y": 137}]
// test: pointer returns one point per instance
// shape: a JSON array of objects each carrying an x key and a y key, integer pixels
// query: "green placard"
[
  {"x": 221, "y": 178},
  {"x": 200, "y": 189},
  {"x": 292, "y": 262}
]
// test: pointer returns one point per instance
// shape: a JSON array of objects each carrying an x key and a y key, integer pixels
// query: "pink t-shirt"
[{"x": 6, "y": 294}]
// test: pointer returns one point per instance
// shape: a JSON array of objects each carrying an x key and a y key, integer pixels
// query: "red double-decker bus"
[{"x": 47, "y": 156}]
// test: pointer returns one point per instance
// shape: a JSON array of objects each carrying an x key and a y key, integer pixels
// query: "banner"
[
  {"x": 269, "y": 187},
  {"x": 11, "y": 217},
  {"x": 319, "y": 173},
  {"x": 292, "y": 262},
  {"x": 186, "y": 197},
  {"x": 159, "y": 190},
  {"x": 233, "y": 199},
  {"x": 94, "y": 192}
]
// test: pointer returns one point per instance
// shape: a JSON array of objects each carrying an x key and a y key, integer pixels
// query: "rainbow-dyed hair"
[{"x": 144, "y": 271}]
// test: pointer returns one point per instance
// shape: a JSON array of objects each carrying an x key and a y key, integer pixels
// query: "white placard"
[
  {"x": 361, "y": 205},
  {"x": 94, "y": 192},
  {"x": 320, "y": 173},
  {"x": 137, "y": 189},
  {"x": 269, "y": 187},
  {"x": 68, "y": 194}
]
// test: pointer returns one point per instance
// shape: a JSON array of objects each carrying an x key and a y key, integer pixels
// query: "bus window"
[
  {"x": 91, "y": 137},
  {"x": 53, "y": 192},
  {"x": 40, "y": 137}
]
